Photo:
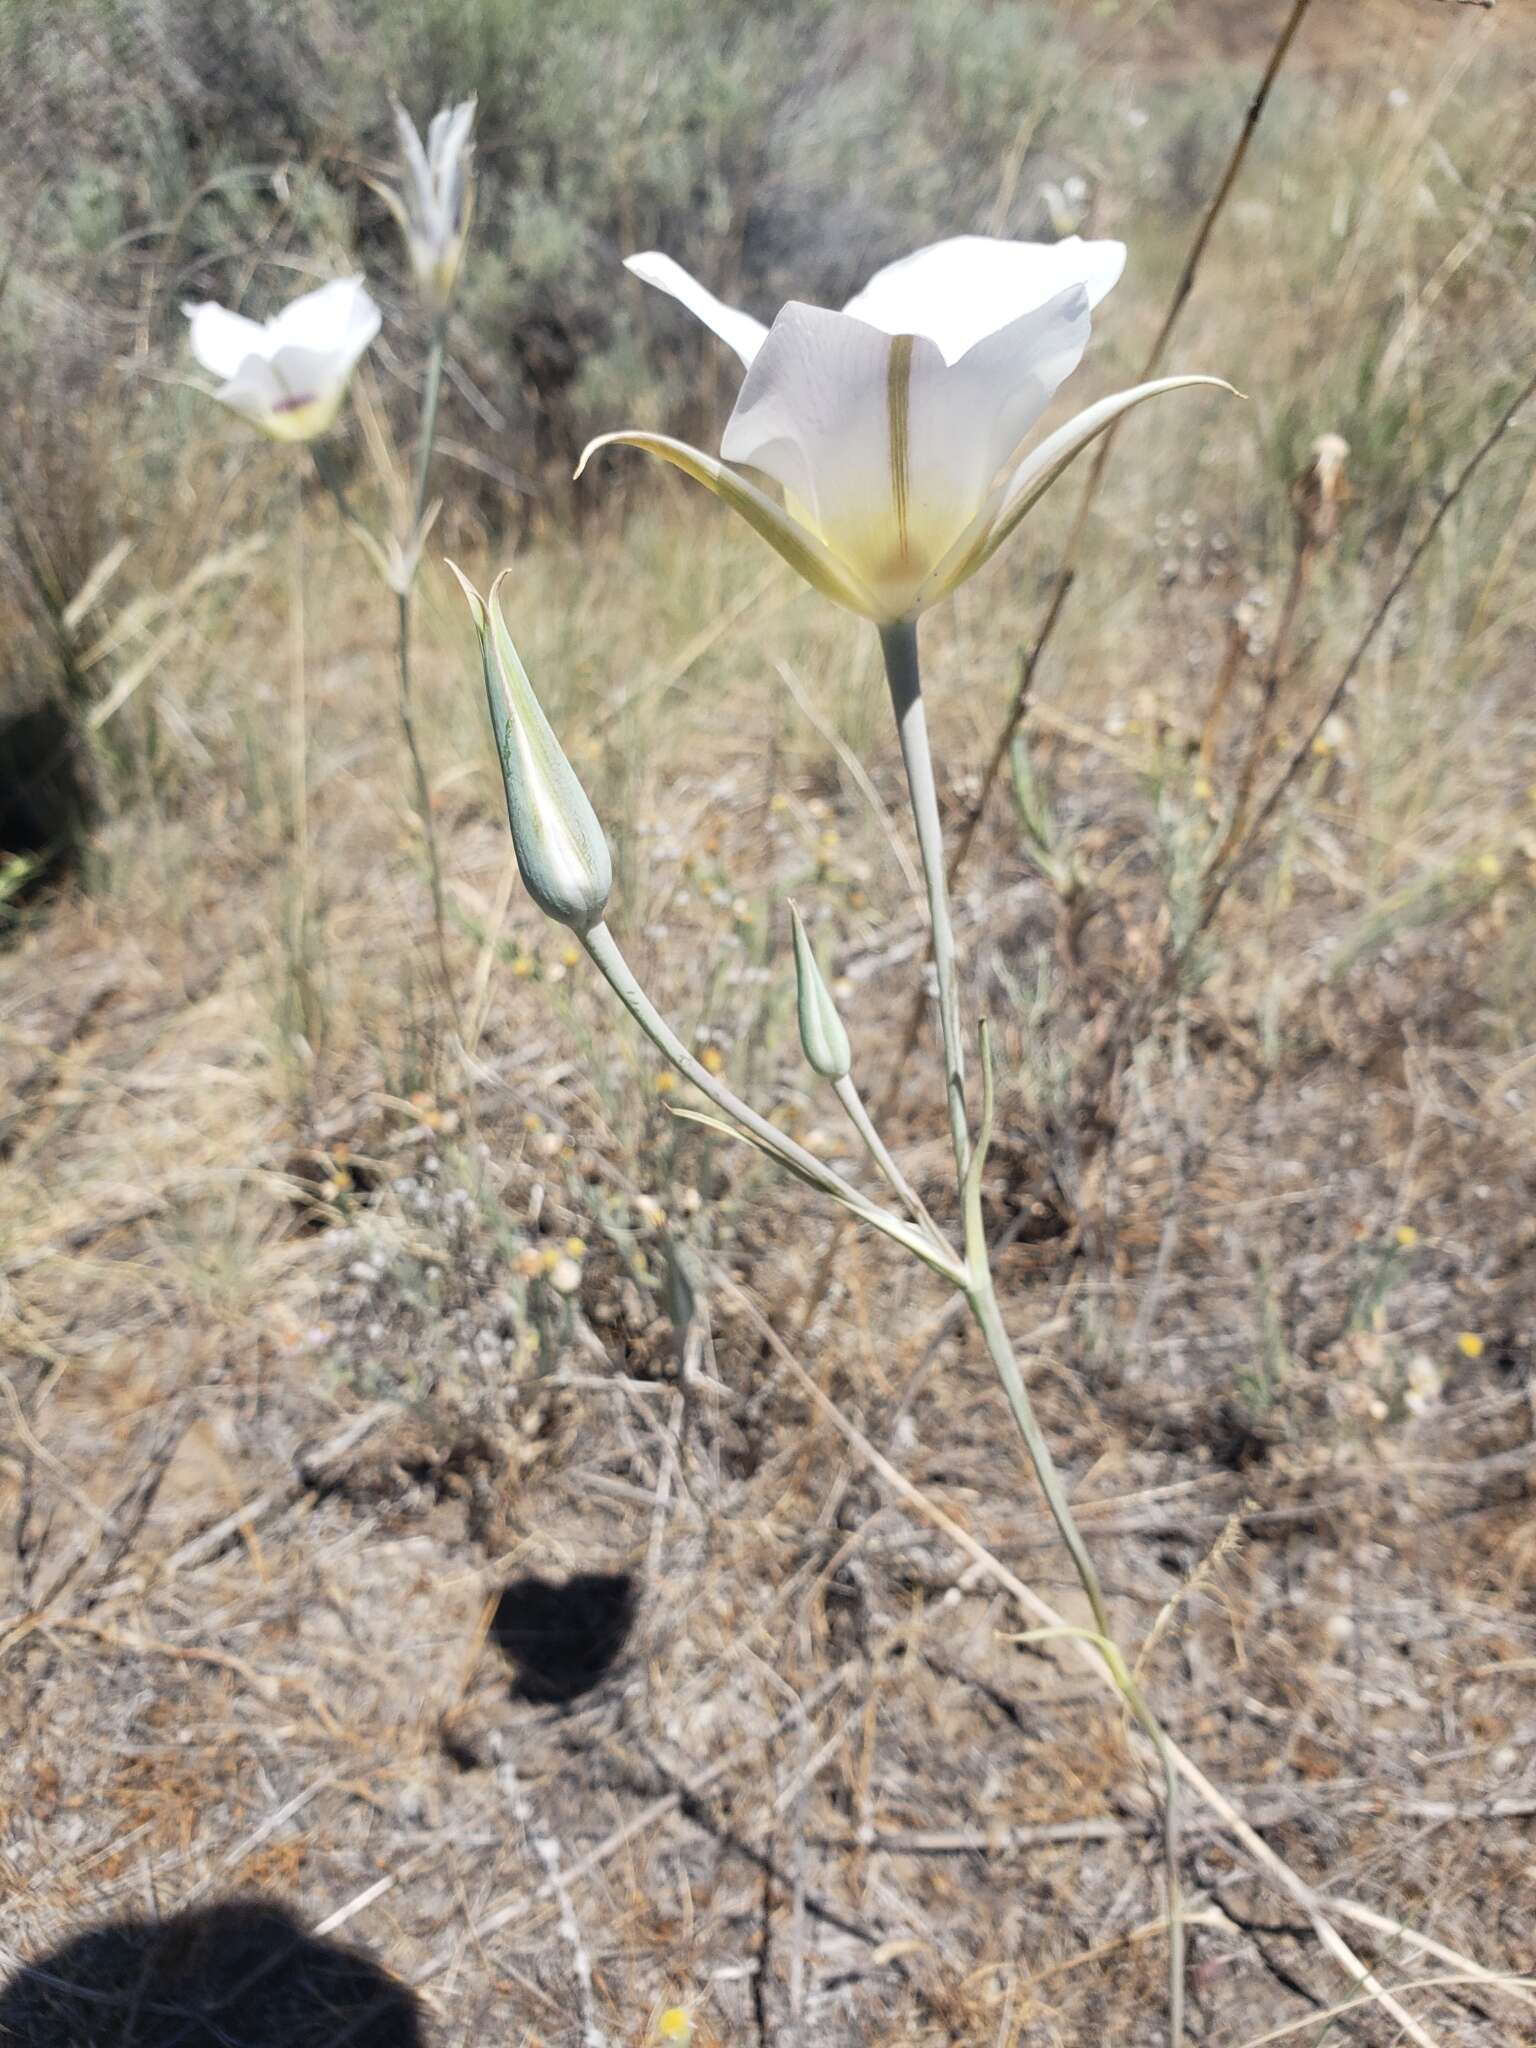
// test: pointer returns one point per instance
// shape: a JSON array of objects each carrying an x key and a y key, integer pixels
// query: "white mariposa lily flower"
[
  {"x": 435, "y": 207},
  {"x": 287, "y": 375},
  {"x": 895, "y": 428}
]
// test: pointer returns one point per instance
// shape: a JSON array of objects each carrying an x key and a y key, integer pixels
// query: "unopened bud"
[
  {"x": 562, "y": 855},
  {"x": 822, "y": 1037},
  {"x": 436, "y": 200}
]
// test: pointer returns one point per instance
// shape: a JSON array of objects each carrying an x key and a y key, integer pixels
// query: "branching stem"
[{"x": 610, "y": 962}]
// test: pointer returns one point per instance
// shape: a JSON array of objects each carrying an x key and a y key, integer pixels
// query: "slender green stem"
[
  {"x": 404, "y": 589},
  {"x": 422, "y": 795},
  {"x": 853, "y": 1103},
  {"x": 422, "y": 788},
  {"x": 981, "y": 1295},
  {"x": 431, "y": 394},
  {"x": 983, "y": 1303},
  {"x": 616, "y": 971},
  {"x": 899, "y": 645}
]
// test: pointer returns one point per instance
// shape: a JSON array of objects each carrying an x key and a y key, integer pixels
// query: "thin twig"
[
  {"x": 645, "y": 1821},
  {"x": 1066, "y": 571},
  {"x": 1181, "y": 294},
  {"x": 1243, "y": 852},
  {"x": 1318, "y": 1907}
]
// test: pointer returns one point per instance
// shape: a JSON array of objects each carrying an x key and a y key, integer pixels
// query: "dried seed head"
[{"x": 1320, "y": 493}]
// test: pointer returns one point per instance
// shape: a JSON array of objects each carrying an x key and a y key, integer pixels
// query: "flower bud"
[
  {"x": 562, "y": 855},
  {"x": 822, "y": 1037},
  {"x": 436, "y": 199}
]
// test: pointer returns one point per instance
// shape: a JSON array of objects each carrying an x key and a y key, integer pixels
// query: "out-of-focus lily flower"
[
  {"x": 895, "y": 428},
  {"x": 561, "y": 852},
  {"x": 438, "y": 198},
  {"x": 288, "y": 375}
]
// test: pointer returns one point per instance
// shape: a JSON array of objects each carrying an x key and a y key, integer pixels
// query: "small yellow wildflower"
[
  {"x": 665, "y": 1082},
  {"x": 712, "y": 1059},
  {"x": 1469, "y": 1344},
  {"x": 1406, "y": 1236},
  {"x": 575, "y": 1247},
  {"x": 675, "y": 2024}
]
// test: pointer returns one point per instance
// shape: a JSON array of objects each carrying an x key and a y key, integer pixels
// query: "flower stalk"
[
  {"x": 610, "y": 962},
  {"x": 981, "y": 1298},
  {"x": 897, "y": 433},
  {"x": 433, "y": 209},
  {"x": 898, "y": 643},
  {"x": 404, "y": 606}
]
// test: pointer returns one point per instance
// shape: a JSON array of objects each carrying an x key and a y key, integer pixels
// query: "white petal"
[
  {"x": 304, "y": 374},
  {"x": 739, "y": 331},
  {"x": 417, "y": 170},
  {"x": 984, "y": 404},
  {"x": 222, "y": 340},
  {"x": 1037, "y": 472},
  {"x": 815, "y": 415},
  {"x": 448, "y": 135},
  {"x": 340, "y": 317},
  {"x": 781, "y": 529},
  {"x": 958, "y": 292},
  {"x": 254, "y": 389},
  {"x": 890, "y": 452}
]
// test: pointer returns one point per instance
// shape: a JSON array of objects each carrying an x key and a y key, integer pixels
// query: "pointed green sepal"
[
  {"x": 561, "y": 852},
  {"x": 822, "y": 1037}
]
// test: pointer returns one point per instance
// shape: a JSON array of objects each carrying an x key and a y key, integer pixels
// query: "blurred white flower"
[
  {"x": 438, "y": 198},
  {"x": 894, "y": 428},
  {"x": 288, "y": 375}
]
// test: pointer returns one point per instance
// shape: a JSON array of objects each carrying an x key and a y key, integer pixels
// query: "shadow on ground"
[
  {"x": 240, "y": 1974},
  {"x": 562, "y": 1638}
]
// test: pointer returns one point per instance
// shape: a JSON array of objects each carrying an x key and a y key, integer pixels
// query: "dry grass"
[{"x": 300, "y": 1441}]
